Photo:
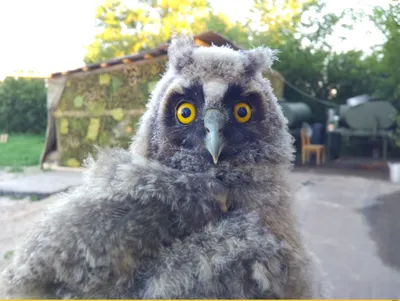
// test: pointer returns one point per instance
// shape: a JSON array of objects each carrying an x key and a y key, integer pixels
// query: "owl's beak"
[{"x": 214, "y": 122}]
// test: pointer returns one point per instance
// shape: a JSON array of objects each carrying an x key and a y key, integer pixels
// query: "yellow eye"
[
  {"x": 186, "y": 113},
  {"x": 242, "y": 112}
]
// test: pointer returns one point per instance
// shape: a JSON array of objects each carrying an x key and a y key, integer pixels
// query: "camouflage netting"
[{"x": 104, "y": 108}]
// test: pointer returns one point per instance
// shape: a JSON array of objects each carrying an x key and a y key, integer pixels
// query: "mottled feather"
[{"x": 151, "y": 222}]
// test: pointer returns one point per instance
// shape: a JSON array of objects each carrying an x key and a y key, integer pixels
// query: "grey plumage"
[{"x": 152, "y": 222}]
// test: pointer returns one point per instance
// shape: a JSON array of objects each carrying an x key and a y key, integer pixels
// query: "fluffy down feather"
[{"x": 151, "y": 222}]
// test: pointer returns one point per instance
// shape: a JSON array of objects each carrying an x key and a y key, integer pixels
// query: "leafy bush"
[{"x": 23, "y": 105}]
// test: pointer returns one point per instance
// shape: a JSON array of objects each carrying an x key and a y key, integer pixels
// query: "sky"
[{"x": 50, "y": 35}]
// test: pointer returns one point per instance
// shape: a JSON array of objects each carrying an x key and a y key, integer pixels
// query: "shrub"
[{"x": 23, "y": 105}]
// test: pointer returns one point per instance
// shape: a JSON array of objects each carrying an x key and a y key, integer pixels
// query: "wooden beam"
[
  {"x": 201, "y": 43},
  {"x": 57, "y": 167},
  {"x": 126, "y": 61},
  {"x": 163, "y": 47},
  {"x": 82, "y": 114}
]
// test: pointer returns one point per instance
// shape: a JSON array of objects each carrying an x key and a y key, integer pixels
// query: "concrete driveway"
[{"x": 351, "y": 223}]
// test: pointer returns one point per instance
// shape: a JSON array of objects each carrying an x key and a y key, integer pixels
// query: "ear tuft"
[
  {"x": 180, "y": 51},
  {"x": 259, "y": 59}
]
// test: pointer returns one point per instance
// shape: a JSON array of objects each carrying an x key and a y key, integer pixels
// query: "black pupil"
[
  {"x": 242, "y": 112},
  {"x": 186, "y": 112}
]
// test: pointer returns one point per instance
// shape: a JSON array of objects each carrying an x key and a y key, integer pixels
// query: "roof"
[{"x": 203, "y": 39}]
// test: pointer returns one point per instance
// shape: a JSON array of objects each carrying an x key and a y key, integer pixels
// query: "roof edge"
[{"x": 203, "y": 39}]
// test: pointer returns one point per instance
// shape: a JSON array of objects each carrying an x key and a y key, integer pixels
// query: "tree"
[
  {"x": 237, "y": 32},
  {"x": 302, "y": 66},
  {"x": 23, "y": 105},
  {"x": 297, "y": 28},
  {"x": 351, "y": 73},
  {"x": 125, "y": 30},
  {"x": 274, "y": 21},
  {"x": 388, "y": 21}
]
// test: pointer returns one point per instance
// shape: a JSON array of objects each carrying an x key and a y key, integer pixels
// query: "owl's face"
[{"x": 212, "y": 110}]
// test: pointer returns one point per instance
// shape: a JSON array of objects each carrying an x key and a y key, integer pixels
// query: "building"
[{"x": 100, "y": 104}]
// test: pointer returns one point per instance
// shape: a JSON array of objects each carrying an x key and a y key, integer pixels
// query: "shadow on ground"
[
  {"x": 364, "y": 173},
  {"x": 384, "y": 222}
]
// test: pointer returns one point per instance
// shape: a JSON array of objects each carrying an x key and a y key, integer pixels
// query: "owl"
[{"x": 198, "y": 207}]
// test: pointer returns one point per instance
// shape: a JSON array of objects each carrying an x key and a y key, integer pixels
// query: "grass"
[
  {"x": 31, "y": 197},
  {"x": 21, "y": 150},
  {"x": 8, "y": 255},
  {"x": 16, "y": 169}
]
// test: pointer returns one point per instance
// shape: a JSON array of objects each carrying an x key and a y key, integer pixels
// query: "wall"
[{"x": 103, "y": 108}]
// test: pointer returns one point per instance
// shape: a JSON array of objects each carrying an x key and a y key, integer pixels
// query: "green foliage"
[
  {"x": 34, "y": 198},
  {"x": 23, "y": 106},
  {"x": 15, "y": 169},
  {"x": 317, "y": 71},
  {"x": 388, "y": 21},
  {"x": 274, "y": 20},
  {"x": 302, "y": 66},
  {"x": 126, "y": 30},
  {"x": 299, "y": 29},
  {"x": 387, "y": 58},
  {"x": 284, "y": 25},
  {"x": 317, "y": 24},
  {"x": 21, "y": 150},
  {"x": 396, "y": 135},
  {"x": 234, "y": 31},
  {"x": 350, "y": 74},
  {"x": 8, "y": 254}
]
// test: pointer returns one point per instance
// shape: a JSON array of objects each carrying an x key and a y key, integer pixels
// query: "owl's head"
[{"x": 213, "y": 110}]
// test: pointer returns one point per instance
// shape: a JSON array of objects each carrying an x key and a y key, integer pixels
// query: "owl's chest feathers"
[{"x": 272, "y": 201}]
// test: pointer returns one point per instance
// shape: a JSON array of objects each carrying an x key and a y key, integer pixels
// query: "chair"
[{"x": 307, "y": 148}]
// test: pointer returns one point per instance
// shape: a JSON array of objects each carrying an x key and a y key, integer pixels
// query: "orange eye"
[
  {"x": 186, "y": 113},
  {"x": 242, "y": 112}
]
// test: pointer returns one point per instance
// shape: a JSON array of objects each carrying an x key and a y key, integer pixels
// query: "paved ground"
[
  {"x": 40, "y": 184},
  {"x": 16, "y": 217},
  {"x": 6, "y": 175},
  {"x": 351, "y": 222}
]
